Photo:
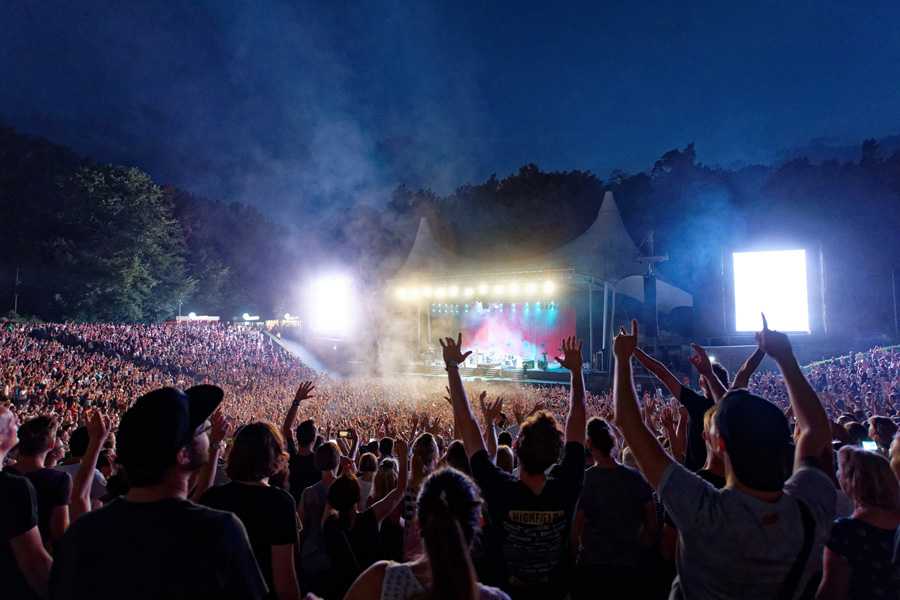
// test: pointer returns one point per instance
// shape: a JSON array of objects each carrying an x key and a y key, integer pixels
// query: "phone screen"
[{"x": 869, "y": 445}]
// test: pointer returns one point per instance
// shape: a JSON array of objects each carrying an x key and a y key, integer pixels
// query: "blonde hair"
[{"x": 868, "y": 479}]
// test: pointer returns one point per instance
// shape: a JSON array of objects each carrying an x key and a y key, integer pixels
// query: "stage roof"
[{"x": 605, "y": 251}]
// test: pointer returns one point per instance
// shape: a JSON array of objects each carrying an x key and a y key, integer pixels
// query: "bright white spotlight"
[
  {"x": 440, "y": 292},
  {"x": 482, "y": 288},
  {"x": 332, "y": 305},
  {"x": 469, "y": 292},
  {"x": 192, "y": 315},
  {"x": 453, "y": 291},
  {"x": 549, "y": 287},
  {"x": 401, "y": 293},
  {"x": 499, "y": 289},
  {"x": 774, "y": 283},
  {"x": 426, "y": 292},
  {"x": 514, "y": 288},
  {"x": 531, "y": 288},
  {"x": 246, "y": 316}
]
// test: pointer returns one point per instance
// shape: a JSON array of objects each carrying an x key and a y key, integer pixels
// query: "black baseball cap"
[
  {"x": 163, "y": 421},
  {"x": 757, "y": 438}
]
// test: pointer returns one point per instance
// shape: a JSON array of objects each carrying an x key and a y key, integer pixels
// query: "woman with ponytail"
[{"x": 448, "y": 512}]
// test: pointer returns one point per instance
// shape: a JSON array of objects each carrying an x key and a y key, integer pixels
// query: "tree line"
[{"x": 102, "y": 242}]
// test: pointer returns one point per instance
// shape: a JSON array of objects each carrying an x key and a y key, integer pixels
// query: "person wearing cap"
[
  {"x": 24, "y": 562},
  {"x": 761, "y": 535},
  {"x": 154, "y": 542}
]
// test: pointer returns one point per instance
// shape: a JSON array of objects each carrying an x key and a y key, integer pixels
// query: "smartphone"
[
  {"x": 869, "y": 445},
  {"x": 343, "y": 433}
]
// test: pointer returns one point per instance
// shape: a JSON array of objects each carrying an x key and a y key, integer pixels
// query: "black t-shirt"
[
  {"x": 53, "y": 488},
  {"x": 167, "y": 549},
  {"x": 697, "y": 405},
  {"x": 717, "y": 481},
  {"x": 350, "y": 551},
  {"x": 18, "y": 515},
  {"x": 533, "y": 530},
  {"x": 303, "y": 472},
  {"x": 268, "y": 514}
]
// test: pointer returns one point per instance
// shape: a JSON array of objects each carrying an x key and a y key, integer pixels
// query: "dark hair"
[
  {"x": 343, "y": 495},
  {"x": 505, "y": 439},
  {"x": 327, "y": 457},
  {"x": 78, "y": 442},
  {"x": 368, "y": 463},
  {"x": 857, "y": 432},
  {"x": 449, "y": 509},
  {"x": 36, "y": 435},
  {"x": 457, "y": 458},
  {"x": 722, "y": 374},
  {"x": 258, "y": 453},
  {"x": 306, "y": 433},
  {"x": 883, "y": 426},
  {"x": 539, "y": 443},
  {"x": 602, "y": 439},
  {"x": 386, "y": 446}
]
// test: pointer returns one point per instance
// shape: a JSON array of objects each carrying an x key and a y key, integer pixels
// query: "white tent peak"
[{"x": 426, "y": 255}]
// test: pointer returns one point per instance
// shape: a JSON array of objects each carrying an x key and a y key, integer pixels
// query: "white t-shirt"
[
  {"x": 732, "y": 545},
  {"x": 98, "y": 487}
]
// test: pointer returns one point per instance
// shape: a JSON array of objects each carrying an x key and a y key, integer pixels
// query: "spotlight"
[
  {"x": 440, "y": 292},
  {"x": 246, "y": 316},
  {"x": 332, "y": 305},
  {"x": 514, "y": 288},
  {"x": 453, "y": 291},
  {"x": 549, "y": 287},
  {"x": 192, "y": 315},
  {"x": 401, "y": 293},
  {"x": 499, "y": 289},
  {"x": 469, "y": 292},
  {"x": 426, "y": 292},
  {"x": 414, "y": 294},
  {"x": 531, "y": 288}
]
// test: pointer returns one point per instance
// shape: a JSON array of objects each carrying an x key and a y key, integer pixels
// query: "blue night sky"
[{"x": 312, "y": 105}]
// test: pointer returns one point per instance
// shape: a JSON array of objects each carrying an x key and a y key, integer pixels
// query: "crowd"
[{"x": 262, "y": 479}]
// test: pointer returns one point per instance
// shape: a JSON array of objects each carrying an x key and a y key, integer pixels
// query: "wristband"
[{"x": 451, "y": 365}]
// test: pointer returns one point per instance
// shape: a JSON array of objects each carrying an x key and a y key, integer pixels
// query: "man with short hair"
[
  {"x": 154, "y": 542},
  {"x": 301, "y": 468},
  {"x": 24, "y": 563},
  {"x": 531, "y": 513},
  {"x": 881, "y": 431},
  {"x": 760, "y": 536},
  {"x": 78, "y": 445}
]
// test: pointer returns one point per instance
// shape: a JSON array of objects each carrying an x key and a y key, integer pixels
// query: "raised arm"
[
  {"x": 742, "y": 379},
  {"x": 811, "y": 420},
  {"x": 386, "y": 505},
  {"x": 701, "y": 362},
  {"x": 98, "y": 431},
  {"x": 304, "y": 391},
  {"x": 221, "y": 429},
  {"x": 651, "y": 458},
  {"x": 659, "y": 371},
  {"x": 463, "y": 419},
  {"x": 577, "y": 417},
  {"x": 490, "y": 412}
]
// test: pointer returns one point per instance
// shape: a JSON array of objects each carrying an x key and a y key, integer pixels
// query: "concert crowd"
[{"x": 197, "y": 460}]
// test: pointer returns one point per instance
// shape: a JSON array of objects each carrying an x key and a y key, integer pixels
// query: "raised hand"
[
  {"x": 401, "y": 447},
  {"x": 98, "y": 427},
  {"x": 538, "y": 406},
  {"x": 491, "y": 411},
  {"x": 571, "y": 358},
  {"x": 700, "y": 360},
  {"x": 774, "y": 343},
  {"x": 624, "y": 345},
  {"x": 452, "y": 351},
  {"x": 304, "y": 392},
  {"x": 518, "y": 413},
  {"x": 222, "y": 427}
]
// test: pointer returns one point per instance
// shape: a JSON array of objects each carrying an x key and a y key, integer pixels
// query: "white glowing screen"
[
  {"x": 773, "y": 283},
  {"x": 332, "y": 305}
]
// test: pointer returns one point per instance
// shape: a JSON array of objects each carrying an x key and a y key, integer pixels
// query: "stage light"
[
  {"x": 549, "y": 287},
  {"x": 774, "y": 283},
  {"x": 453, "y": 291},
  {"x": 440, "y": 292},
  {"x": 712, "y": 359},
  {"x": 332, "y": 305},
  {"x": 499, "y": 289},
  {"x": 192, "y": 315},
  {"x": 531, "y": 288},
  {"x": 469, "y": 292},
  {"x": 482, "y": 288},
  {"x": 426, "y": 292},
  {"x": 246, "y": 316},
  {"x": 514, "y": 288},
  {"x": 402, "y": 293}
]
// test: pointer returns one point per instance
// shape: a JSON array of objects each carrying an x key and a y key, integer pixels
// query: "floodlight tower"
[{"x": 651, "y": 317}]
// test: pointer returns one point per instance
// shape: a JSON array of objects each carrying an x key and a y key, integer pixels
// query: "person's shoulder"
[
  {"x": 13, "y": 481},
  {"x": 279, "y": 496},
  {"x": 487, "y": 592}
]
